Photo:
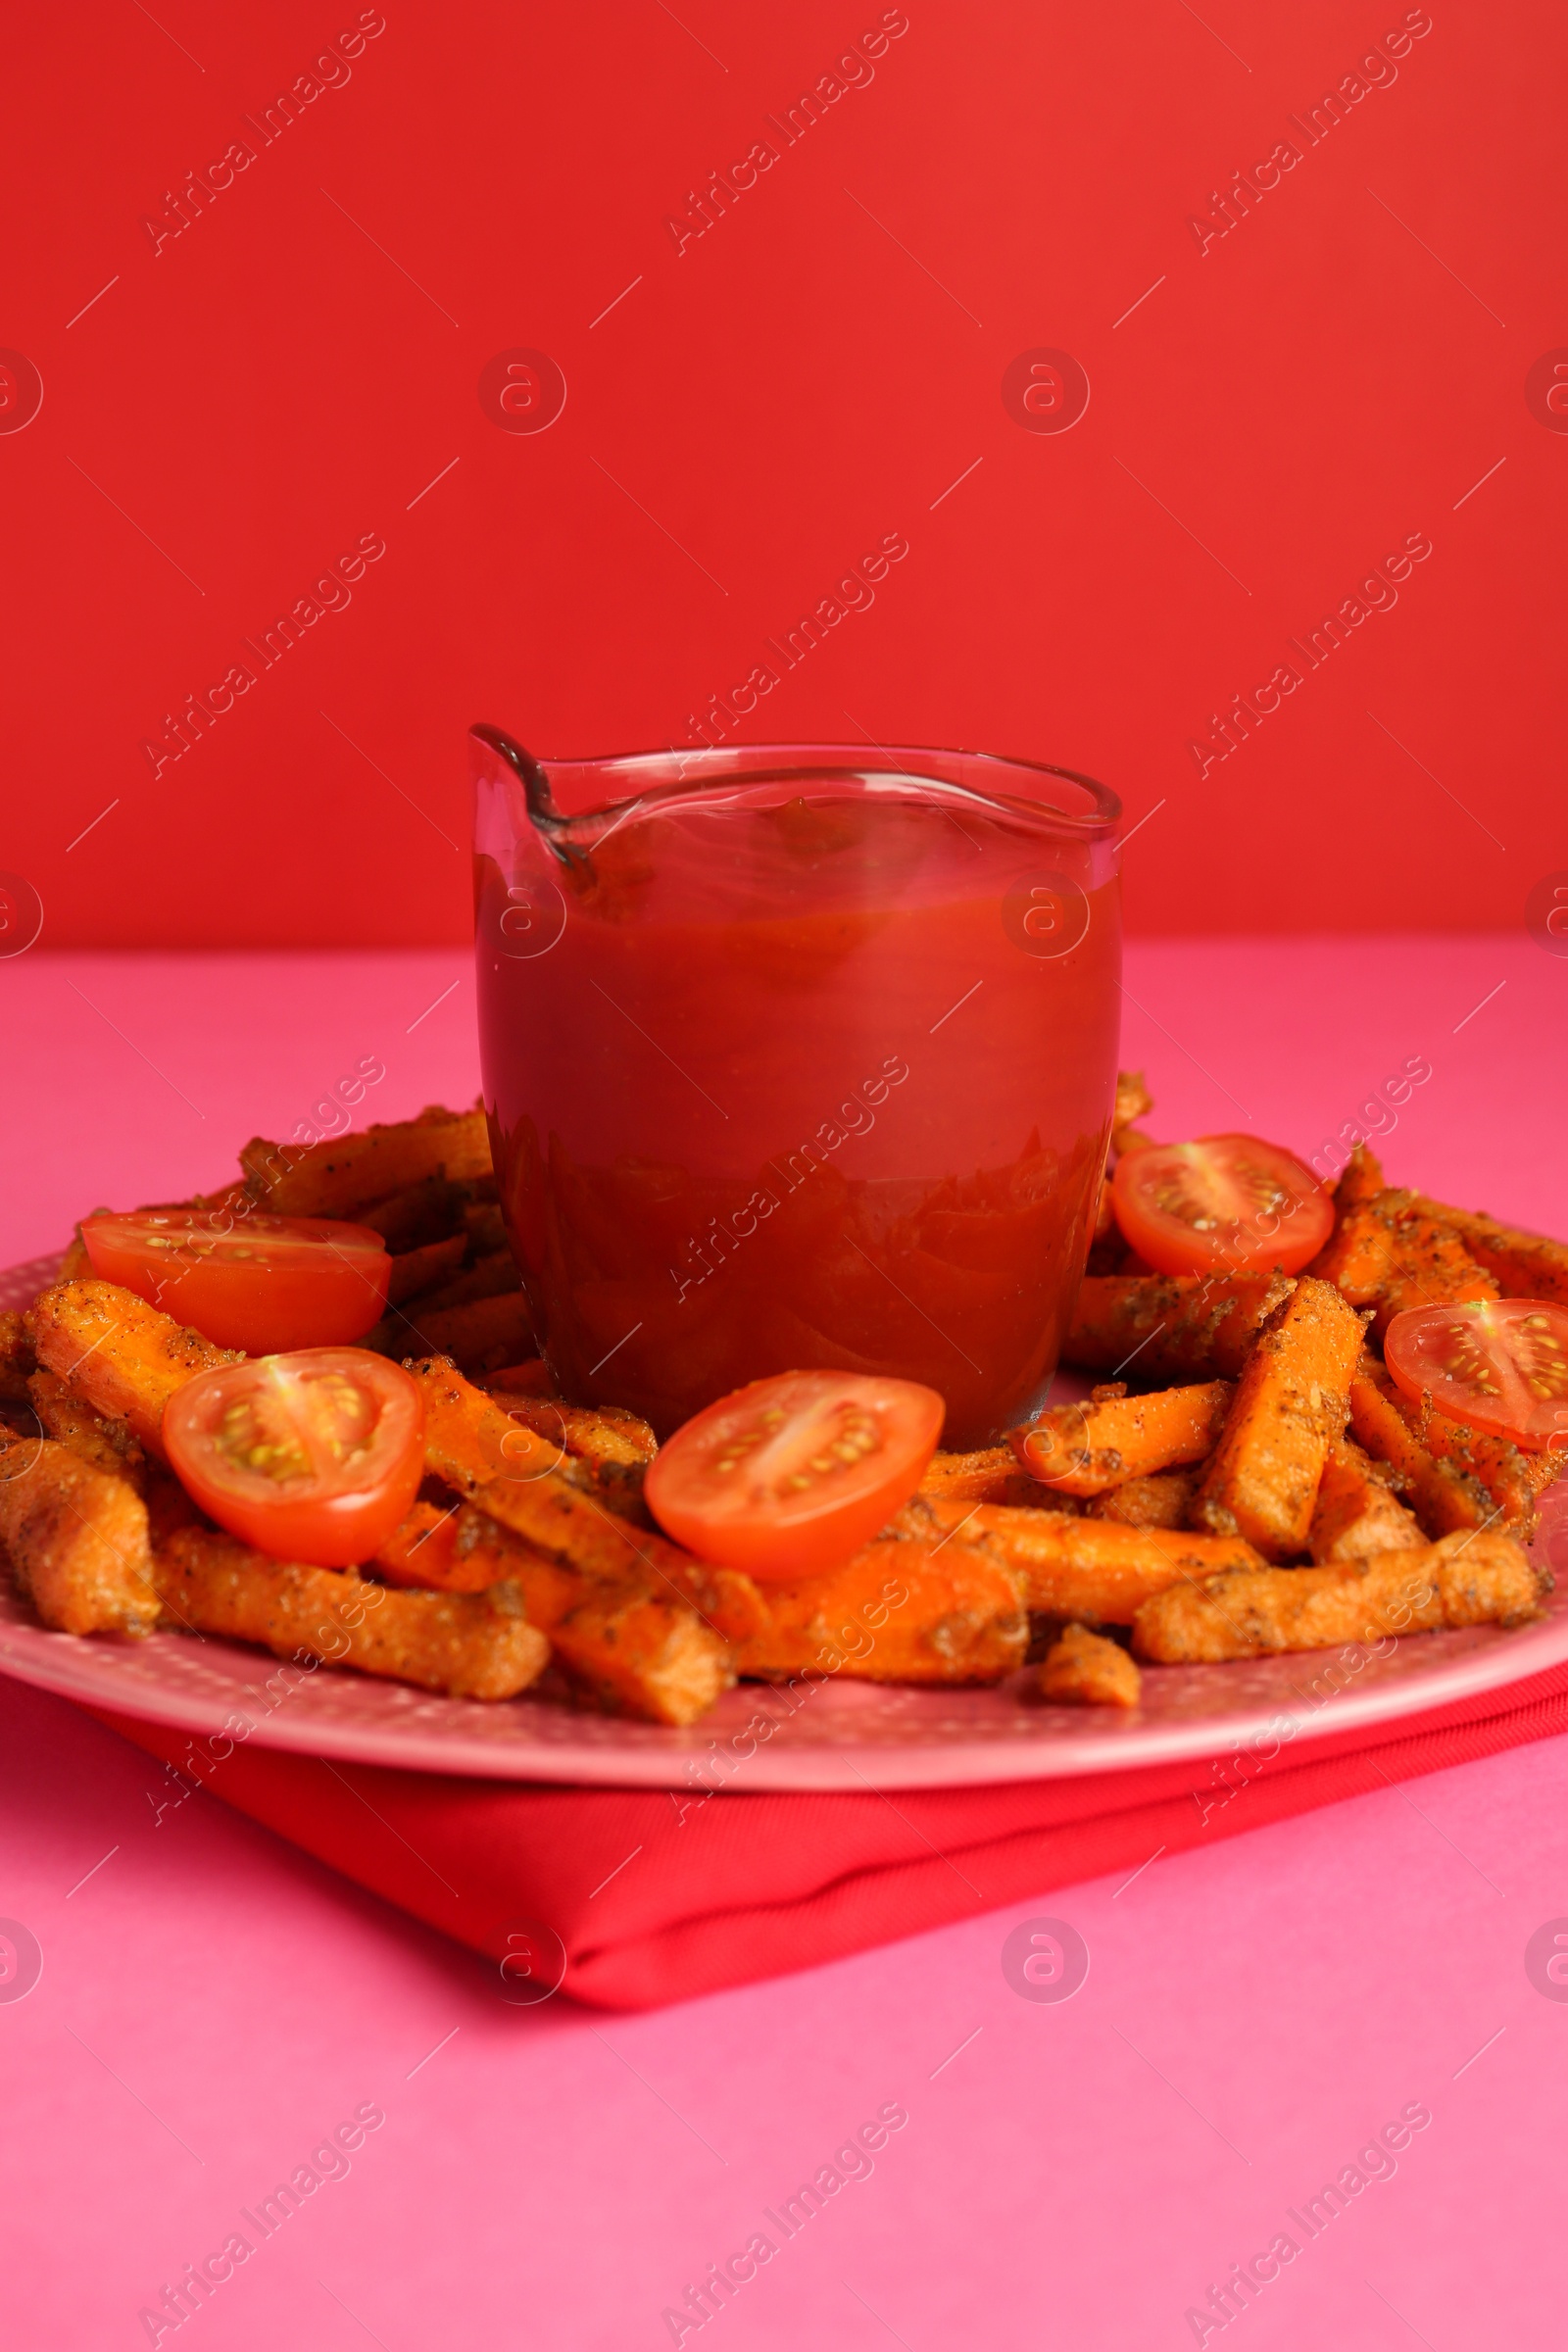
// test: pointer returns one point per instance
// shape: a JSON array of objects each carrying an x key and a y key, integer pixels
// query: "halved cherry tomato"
[
  {"x": 1224, "y": 1205},
  {"x": 313, "y": 1456},
  {"x": 260, "y": 1283},
  {"x": 1500, "y": 1365},
  {"x": 793, "y": 1474}
]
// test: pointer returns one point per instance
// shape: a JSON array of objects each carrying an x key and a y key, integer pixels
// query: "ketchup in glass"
[{"x": 796, "y": 1057}]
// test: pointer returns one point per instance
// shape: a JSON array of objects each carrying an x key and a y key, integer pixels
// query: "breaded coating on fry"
[
  {"x": 1525, "y": 1265},
  {"x": 899, "y": 1611},
  {"x": 1087, "y": 1449},
  {"x": 77, "y": 1537},
  {"x": 1456, "y": 1476},
  {"x": 632, "y": 1651},
  {"x": 1465, "y": 1580},
  {"x": 516, "y": 1477},
  {"x": 121, "y": 1356},
  {"x": 1359, "y": 1255},
  {"x": 470, "y": 1645},
  {"x": 1087, "y": 1669},
  {"x": 480, "y": 1337},
  {"x": 1291, "y": 1402},
  {"x": 992, "y": 1475},
  {"x": 16, "y": 1359},
  {"x": 1177, "y": 1327},
  {"x": 1162, "y": 1500},
  {"x": 1076, "y": 1568},
  {"x": 1357, "y": 1513},
  {"x": 106, "y": 1445},
  {"x": 347, "y": 1173}
]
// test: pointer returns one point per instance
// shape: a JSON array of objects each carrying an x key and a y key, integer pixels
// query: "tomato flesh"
[
  {"x": 311, "y": 1456},
  {"x": 791, "y": 1475},
  {"x": 261, "y": 1283},
  {"x": 1500, "y": 1365},
  {"x": 1226, "y": 1203}
]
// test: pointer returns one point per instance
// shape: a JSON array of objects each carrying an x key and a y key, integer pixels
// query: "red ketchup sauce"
[{"x": 818, "y": 1073}]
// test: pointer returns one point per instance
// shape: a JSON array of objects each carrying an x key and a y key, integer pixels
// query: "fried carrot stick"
[
  {"x": 415, "y": 1271},
  {"x": 487, "y": 1332},
  {"x": 1162, "y": 1500},
  {"x": 901, "y": 1611},
  {"x": 76, "y": 1537},
  {"x": 1357, "y": 1513},
  {"x": 1085, "y": 1449},
  {"x": 1291, "y": 1402},
  {"x": 1503, "y": 1471},
  {"x": 1464, "y": 1580},
  {"x": 1174, "y": 1327},
  {"x": 607, "y": 1449},
  {"x": 630, "y": 1653},
  {"x": 1086, "y": 1670},
  {"x": 493, "y": 1276},
  {"x": 1526, "y": 1266},
  {"x": 470, "y": 1645},
  {"x": 1429, "y": 1265},
  {"x": 106, "y": 1445},
  {"x": 514, "y": 1476},
  {"x": 992, "y": 1475},
  {"x": 1090, "y": 1569},
  {"x": 124, "y": 1357},
  {"x": 1361, "y": 1179},
  {"x": 1359, "y": 1255},
  {"x": 16, "y": 1359},
  {"x": 1445, "y": 1499},
  {"x": 336, "y": 1178}
]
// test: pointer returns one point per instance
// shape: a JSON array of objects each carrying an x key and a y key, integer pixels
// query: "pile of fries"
[{"x": 1279, "y": 1494}]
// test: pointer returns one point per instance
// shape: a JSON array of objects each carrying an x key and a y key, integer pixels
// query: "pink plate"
[{"x": 834, "y": 1735}]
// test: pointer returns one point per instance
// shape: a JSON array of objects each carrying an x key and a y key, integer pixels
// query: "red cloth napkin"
[{"x": 629, "y": 1897}]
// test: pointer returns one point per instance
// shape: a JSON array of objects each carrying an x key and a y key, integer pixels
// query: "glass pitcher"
[{"x": 796, "y": 1056}]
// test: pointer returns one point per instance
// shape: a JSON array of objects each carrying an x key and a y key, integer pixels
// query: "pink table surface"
[{"x": 212, "y": 2005}]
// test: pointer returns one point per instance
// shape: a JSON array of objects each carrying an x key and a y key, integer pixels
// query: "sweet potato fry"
[
  {"x": 516, "y": 1477},
  {"x": 77, "y": 1537},
  {"x": 992, "y": 1475},
  {"x": 106, "y": 1445},
  {"x": 631, "y": 1653},
  {"x": 1445, "y": 1499},
  {"x": 121, "y": 1356},
  {"x": 415, "y": 1271},
  {"x": 1085, "y": 1449},
  {"x": 1502, "y": 1470},
  {"x": 1088, "y": 1569},
  {"x": 901, "y": 1611},
  {"x": 1291, "y": 1404},
  {"x": 1086, "y": 1670},
  {"x": 1175, "y": 1327},
  {"x": 339, "y": 1177},
  {"x": 1525, "y": 1265},
  {"x": 1357, "y": 1513},
  {"x": 1464, "y": 1580},
  {"x": 470, "y": 1646},
  {"x": 1158, "y": 1501},
  {"x": 16, "y": 1359}
]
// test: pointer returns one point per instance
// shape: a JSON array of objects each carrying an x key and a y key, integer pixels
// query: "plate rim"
[{"x": 82, "y": 1672}]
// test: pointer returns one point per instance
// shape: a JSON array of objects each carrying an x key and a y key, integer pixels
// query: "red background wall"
[{"x": 297, "y": 368}]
